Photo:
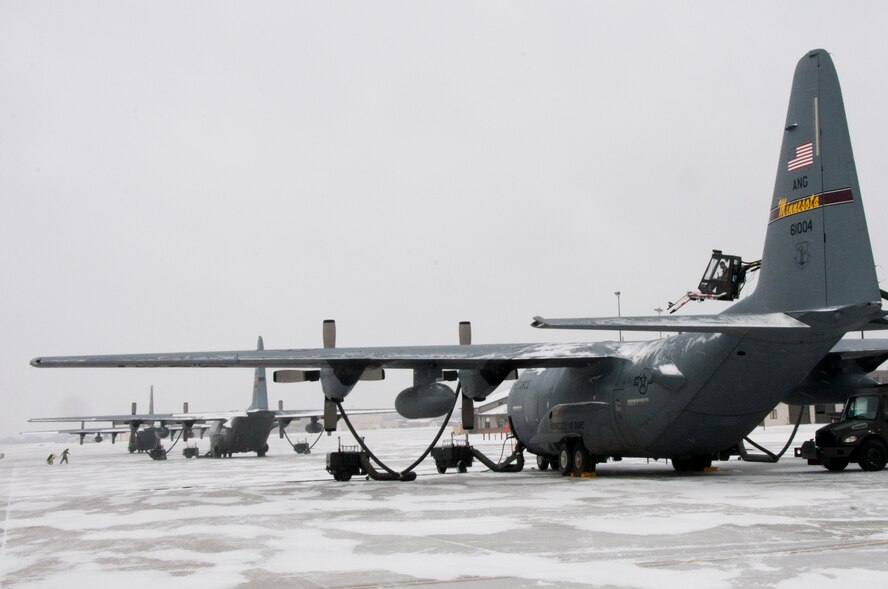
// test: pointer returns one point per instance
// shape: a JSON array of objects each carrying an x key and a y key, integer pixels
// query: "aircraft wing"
[
  {"x": 84, "y": 431},
  {"x": 445, "y": 357},
  {"x": 296, "y": 414},
  {"x": 128, "y": 418}
]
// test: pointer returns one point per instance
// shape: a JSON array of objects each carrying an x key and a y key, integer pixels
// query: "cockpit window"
[
  {"x": 864, "y": 407},
  {"x": 719, "y": 269}
]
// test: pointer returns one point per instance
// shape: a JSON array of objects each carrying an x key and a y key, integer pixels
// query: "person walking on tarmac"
[{"x": 64, "y": 457}]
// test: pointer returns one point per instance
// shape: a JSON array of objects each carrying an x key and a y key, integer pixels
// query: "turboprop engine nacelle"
[
  {"x": 314, "y": 426},
  {"x": 425, "y": 401},
  {"x": 162, "y": 432}
]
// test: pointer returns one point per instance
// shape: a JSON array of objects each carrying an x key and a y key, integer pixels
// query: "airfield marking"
[
  {"x": 410, "y": 583},
  {"x": 821, "y": 548}
]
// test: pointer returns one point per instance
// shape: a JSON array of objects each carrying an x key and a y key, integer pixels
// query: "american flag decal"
[{"x": 804, "y": 156}]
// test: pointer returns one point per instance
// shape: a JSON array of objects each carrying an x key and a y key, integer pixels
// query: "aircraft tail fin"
[
  {"x": 817, "y": 250},
  {"x": 260, "y": 390}
]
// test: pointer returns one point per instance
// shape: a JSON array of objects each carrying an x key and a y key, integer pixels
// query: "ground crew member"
[{"x": 64, "y": 456}]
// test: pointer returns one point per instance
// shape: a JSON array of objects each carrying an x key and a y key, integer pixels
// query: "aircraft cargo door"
[{"x": 625, "y": 395}]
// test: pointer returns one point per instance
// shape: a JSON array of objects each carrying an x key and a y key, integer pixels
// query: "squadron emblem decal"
[{"x": 801, "y": 256}]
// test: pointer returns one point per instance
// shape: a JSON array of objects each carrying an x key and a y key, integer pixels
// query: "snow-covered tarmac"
[{"x": 112, "y": 519}]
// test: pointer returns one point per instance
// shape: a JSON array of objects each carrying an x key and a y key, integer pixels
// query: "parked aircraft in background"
[
  {"x": 144, "y": 436},
  {"x": 229, "y": 432},
  {"x": 690, "y": 397}
]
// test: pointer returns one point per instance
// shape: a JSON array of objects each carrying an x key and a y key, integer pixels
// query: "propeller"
[
  {"x": 186, "y": 426},
  {"x": 477, "y": 384},
  {"x": 329, "y": 336},
  {"x": 336, "y": 382},
  {"x": 468, "y": 405}
]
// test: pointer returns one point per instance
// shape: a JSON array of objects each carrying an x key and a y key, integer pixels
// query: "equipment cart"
[{"x": 454, "y": 454}]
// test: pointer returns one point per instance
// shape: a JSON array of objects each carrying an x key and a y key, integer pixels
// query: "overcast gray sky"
[{"x": 187, "y": 176}]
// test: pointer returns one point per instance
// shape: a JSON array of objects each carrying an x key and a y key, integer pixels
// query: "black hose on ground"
[
  {"x": 769, "y": 456},
  {"x": 404, "y": 474},
  {"x": 292, "y": 445}
]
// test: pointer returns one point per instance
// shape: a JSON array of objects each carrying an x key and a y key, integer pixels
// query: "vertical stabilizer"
[
  {"x": 817, "y": 250},
  {"x": 260, "y": 390}
]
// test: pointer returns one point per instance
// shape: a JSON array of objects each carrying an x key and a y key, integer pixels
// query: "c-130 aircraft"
[
  {"x": 691, "y": 397},
  {"x": 229, "y": 432}
]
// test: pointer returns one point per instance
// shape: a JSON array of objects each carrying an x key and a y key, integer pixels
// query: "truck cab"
[{"x": 860, "y": 435}]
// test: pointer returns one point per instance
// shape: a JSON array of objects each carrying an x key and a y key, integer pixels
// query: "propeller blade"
[
  {"x": 468, "y": 405},
  {"x": 468, "y": 413},
  {"x": 465, "y": 333},
  {"x": 296, "y": 375},
  {"x": 330, "y": 415},
  {"x": 329, "y": 333},
  {"x": 373, "y": 374}
]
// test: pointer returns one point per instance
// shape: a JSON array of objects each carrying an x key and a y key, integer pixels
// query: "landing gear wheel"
[
  {"x": 834, "y": 464},
  {"x": 461, "y": 466},
  {"x": 542, "y": 462},
  {"x": 441, "y": 468},
  {"x": 582, "y": 460},
  {"x": 342, "y": 476},
  {"x": 873, "y": 455},
  {"x": 262, "y": 451},
  {"x": 565, "y": 452}
]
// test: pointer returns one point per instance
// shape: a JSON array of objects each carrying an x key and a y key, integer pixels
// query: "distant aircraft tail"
[
  {"x": 260, "y": 390},
  {"x": 817, "y": 249}
]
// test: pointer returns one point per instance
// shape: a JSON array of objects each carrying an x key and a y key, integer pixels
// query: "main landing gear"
[
  {"x": 693, "y": 464},
  {"x": 573, "y": 459}
]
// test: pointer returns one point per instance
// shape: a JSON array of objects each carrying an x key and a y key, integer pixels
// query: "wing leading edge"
[{"x": 446, "y": 357}]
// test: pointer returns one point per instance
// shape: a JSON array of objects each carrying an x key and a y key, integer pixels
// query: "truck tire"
[
  {"x": 834, "y": 464},
  {"x": 873, "y": 455}
]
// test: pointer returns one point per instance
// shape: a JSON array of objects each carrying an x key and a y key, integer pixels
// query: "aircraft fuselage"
[
  {"x": 682, "y": 396},
  {"x": 245, "y": 433}
]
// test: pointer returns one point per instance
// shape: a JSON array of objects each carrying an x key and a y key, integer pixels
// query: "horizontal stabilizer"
[
  {"x": 724, "y": 323},
  {"x": 848, "y": 349}
]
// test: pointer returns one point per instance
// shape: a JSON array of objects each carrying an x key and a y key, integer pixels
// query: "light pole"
[
  {"x": 618, "y": 312},
  {"x": 659, "y": 314}
]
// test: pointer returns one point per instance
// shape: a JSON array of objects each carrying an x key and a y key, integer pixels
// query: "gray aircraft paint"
[
  {"x": 693, "y": 394},
  {"x": 260, "y": 389}
]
